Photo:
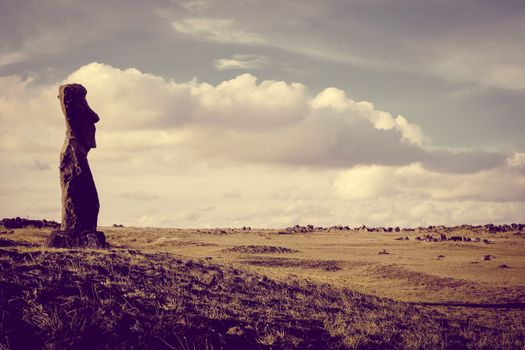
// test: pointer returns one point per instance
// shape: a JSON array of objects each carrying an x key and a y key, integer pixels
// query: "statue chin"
[
  {"x": 86, "y": 137},
  {"x": 89, "y": 142}
]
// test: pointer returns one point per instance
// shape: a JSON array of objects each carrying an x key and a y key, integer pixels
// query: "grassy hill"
[{"x": 127, "y": 299}]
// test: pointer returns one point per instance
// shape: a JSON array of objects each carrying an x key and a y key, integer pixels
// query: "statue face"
[{"x": 80, "y": 118}]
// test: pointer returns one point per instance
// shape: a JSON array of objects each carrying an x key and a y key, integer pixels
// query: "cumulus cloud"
[
  {"x": 219, "y": 30},
  {"x": 269, "y": 122},
  {"x": 132, "y": 99},
  {"x": 237, "y": 120},
  {"x": 336, "y": 100},
  {"x": 419, "y": 212},
  {"x": 241, "y": 62},
  {"x": 413, "y": 181}
]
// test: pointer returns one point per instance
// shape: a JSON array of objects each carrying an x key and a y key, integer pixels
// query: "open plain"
[{"x": 251, "y": 288}]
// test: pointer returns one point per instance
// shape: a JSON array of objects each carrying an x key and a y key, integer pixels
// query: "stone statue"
[{"x": 80, "y": 203}]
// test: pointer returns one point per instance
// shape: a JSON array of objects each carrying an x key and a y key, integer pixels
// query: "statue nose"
[{"x": 95, "y": 117}]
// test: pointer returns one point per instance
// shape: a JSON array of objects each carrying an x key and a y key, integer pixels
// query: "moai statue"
[{"x": 80, "y": 203}]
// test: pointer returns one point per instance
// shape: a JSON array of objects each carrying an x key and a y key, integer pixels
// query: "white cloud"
[
  {"x": 153, "y": 221},
  {"x": 12, "y": 57},
  {"x": 139, "y": 196},
  {"x": 191, "y": 215},
  {"x": 194, "y": 6},
  {"x": 418, "y": 212},
  {"x": 413, "y": 181},
  {"x": 175, "y": 138},
  {"x": 232, "y": 194},
  {"x": 242, "y": 62},
  {"x": 490, "y": 56},
  {"x": 287, "y": 214},
  {"x": 219, "y": 30},
  {"x": 228, "y": 31},
  {"x": 238, "y": 120},
  {"x": 34, "y": 164},
  {"x": 491, "y": 69},
  {"x": 335, "y": 99},
  {"x": 517, "y": 161}
]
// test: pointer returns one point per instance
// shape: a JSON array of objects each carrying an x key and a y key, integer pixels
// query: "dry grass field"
[{"x": 234, "y": 288}]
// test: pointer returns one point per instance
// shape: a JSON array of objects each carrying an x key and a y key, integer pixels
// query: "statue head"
[{"x": 80, "y": 118}]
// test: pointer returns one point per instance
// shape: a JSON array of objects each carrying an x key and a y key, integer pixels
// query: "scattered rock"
[
  {"x": 76, "y": 239},
  {"x": 301, "y": 229},
  {"x": 441, "y": 257},
  {"x": 503, "y": 266},
  {"x": 488, "y": 257},
  {"x": 383, "y": 252},
  {"x": 260, "y": 249},
  {"x": 19, "y": 222},
  {"x": 235, "y": 331}
]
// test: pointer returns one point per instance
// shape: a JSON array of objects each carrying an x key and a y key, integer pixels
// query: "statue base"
[{"x": 76, "y": 239}]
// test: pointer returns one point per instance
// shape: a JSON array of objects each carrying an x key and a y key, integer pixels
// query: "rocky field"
[{"x": 262, "y": 289}]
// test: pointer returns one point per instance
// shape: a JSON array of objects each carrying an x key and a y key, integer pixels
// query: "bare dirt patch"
[{"x": 325, "y": 265}]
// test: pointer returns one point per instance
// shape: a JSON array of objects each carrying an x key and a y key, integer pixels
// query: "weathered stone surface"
[
  {"x": 76, "y": 239},
  {"x": 80, "y": 203}
]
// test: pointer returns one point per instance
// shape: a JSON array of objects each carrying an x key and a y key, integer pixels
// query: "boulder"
[{"x": 77, "y": 239}]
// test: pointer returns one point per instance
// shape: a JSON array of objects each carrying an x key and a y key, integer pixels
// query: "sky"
[{"x": 230, "y": 113}]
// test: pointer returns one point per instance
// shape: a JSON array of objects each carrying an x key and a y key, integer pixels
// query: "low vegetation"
[
  {"x": 126, "y": 299},
  {"x": 262, "y": 289}
]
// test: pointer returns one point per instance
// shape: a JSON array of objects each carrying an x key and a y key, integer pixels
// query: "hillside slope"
[{"x": 125, "y": 299}]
